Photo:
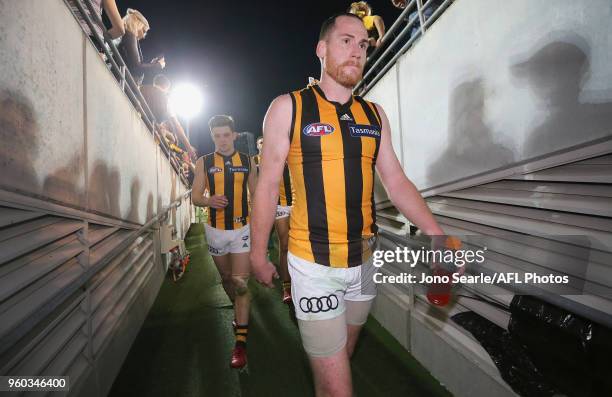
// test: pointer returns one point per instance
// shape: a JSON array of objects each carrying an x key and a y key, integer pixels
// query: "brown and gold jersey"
[
  {"x": 285, "y": 194},
  {"x": 332, "y": 155},
  {"x": 227, "y": 176}
]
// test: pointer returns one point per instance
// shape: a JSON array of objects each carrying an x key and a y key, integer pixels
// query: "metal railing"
[
  {"x": 394, "y": 44},
  {"x": 126, "y": 80}
]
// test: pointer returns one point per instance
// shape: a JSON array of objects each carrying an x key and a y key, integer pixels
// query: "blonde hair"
[
  {"x": 133, "y": 20},
  {"x": 360, "y": 6}
]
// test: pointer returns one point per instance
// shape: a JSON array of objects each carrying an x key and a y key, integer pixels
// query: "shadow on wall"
[
  {"x": 104, "y": 189},
  {"x": 62, "y": 183},
  {"x": 19, "y": 131},
  {"x": 133, "y": 212},
  {"x": 556, "y": 73},
  {"x": 149, "y": 206},
  {"x": 20, "y": 134},
  {"x": 471, "y": 148}
]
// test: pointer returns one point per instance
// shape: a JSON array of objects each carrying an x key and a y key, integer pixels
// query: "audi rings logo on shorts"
[{"x": 319, "y": 304}]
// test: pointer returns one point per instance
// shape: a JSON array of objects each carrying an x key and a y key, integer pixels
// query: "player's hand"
[
  {"x": 217, "y": 202},
  {"x": 446, "y": 243},
  {"x": 263, "y": 270}
]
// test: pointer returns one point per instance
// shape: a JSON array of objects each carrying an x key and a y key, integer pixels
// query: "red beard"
[{"x": 342, "y": 76}]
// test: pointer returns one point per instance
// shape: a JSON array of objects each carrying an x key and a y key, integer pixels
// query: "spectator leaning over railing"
[
  {"x": 112, "y": 12},
  {"x": 374, "y": 24},
  {"x": 427, "y": 12},
  {"x": 156, "y": 96},
  {"x": 136, "y": 27}
]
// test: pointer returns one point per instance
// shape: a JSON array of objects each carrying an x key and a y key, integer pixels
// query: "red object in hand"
[{"x": 439, "y": 293}]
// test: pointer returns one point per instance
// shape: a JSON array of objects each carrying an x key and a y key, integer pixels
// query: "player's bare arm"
[
  {"x": 277, "y": 123},
  {"x": 402, "y": 192}
]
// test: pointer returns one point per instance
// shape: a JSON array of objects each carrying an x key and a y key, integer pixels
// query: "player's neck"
[
  {"x": 333, "y": 90},
  {"x": 226, "y": 153}
]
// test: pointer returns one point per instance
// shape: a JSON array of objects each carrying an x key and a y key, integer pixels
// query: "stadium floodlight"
[{"x": 186, "y": 100}]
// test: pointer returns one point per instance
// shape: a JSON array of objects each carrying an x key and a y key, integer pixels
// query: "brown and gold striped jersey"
[
  {"x": 332, "y": 155},
  {"x": 227, "y": 176},
  {"x": 285, "y": 194}
]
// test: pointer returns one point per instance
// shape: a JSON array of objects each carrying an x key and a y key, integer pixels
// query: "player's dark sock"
[{"x": 241, "y": 334}]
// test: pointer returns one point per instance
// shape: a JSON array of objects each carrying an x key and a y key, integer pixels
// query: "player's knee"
[
  {"x": 240, "y": 284},
  {"x": 226, "y": 278}
]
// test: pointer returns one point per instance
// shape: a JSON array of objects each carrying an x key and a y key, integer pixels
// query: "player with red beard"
[{"x": 332, "y": 142}]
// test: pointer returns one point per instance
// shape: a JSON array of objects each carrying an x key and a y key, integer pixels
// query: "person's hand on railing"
[
  {"x": 116, "y": 32},
  {"x": 400, "y": 3}
]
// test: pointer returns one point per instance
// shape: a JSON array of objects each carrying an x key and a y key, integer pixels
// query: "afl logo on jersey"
[
  {"x": 318, "y": 129},
  {"x": 213, "y": 170}
]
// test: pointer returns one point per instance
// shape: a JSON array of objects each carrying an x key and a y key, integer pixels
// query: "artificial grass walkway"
[{"x": 184, "y": 346}]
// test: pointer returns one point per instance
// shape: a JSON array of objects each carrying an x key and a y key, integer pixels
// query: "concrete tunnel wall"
[
  {"x": 68, "y": 132},
  {"x": 71, "y": 137},
  {"x": 496, "y": 82}
]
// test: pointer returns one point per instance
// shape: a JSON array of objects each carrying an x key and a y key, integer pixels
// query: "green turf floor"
[{"x": 184, "y": 346}]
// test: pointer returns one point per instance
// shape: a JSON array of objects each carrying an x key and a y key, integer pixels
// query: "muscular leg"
[
  {"x": 325, "y": 344},
  {"x": 282, "y": 230},
  {"x": 225, "y": 270},
  {"x": 332, "y": 375},
  {"x": 240, "y": 276},
  {"x": 351, "y": 338}
]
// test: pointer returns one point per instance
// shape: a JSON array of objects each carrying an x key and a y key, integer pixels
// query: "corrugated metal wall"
[
  {"x": 554, "y": 220},
  {"x": 501, "y": 115},
  {"x": 66, "y": 285}
]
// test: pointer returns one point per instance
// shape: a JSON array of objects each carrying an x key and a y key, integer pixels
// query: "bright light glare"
[{"x": 186, "y": 100}]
